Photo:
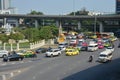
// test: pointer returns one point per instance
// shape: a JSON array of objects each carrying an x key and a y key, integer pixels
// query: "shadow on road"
[{"x": 105, "y": 71}]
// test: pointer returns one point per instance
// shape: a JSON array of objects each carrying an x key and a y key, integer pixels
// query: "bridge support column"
[
  {"x": 36, "y": 24},
  {"x": 79, "y": 25},
  {"x": 17, "y": 23},
  {"x": 101, "y": 27},
  {"x": 4, "y": 21}
]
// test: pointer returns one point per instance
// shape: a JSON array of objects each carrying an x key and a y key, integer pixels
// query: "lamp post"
[
  {"x": 95, "y": 22},
  {"x": 74, "y": 7}
]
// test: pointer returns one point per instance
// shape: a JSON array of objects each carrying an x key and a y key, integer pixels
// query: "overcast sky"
[{"x": 59, "y": 7}]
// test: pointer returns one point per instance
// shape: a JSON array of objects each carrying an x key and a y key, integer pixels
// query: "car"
[
  {"x": 62, "y": 48},
  {"x": 104, "y": 40},
  {"x": 72, "y": 52},
  {"x": 74, "y": 41},
  {"x": 105, "y": 56},
  {"x": 92, "y": 47},
  {"x": 13, "y": 57},
  {"x": 99, "y": 42},
  {"x": 65, "y": 44},
  {"x": 111, "y": 48},
  {"x": 106, "y": 44},
  {"x": 28, "y": 54},
  {"x": 20, "y": 52},
  {"x": 100, "y": 46},
  {"x": 84, "y": 48},
  {"x": 41, "y": 50},
  {"x": 3, "y": 53},
  {"x": 53, "y": 52}
]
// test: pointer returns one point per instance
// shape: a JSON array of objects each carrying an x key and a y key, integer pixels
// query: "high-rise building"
[
  {"x": 5, "y": 4},
  {"x": 117, "y": 6}
]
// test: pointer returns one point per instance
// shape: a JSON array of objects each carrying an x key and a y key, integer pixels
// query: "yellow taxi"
[
  {"x": 69, "y": 48},
  {"x": 72, "y": 52}
]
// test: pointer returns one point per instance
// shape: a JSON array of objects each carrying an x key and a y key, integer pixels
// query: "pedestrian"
[{"x": 90, "y": 58}]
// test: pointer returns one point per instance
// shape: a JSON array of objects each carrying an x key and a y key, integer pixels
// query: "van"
[
  {"x": 105, "y": 56},
  {"x": 92, "y": 47}
]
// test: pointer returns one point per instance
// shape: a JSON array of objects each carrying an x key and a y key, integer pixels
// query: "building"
[
  {"x": 5, "y": 4},
  {"x": 117, "y": 6},
  {"x": 5, "y": 7}
]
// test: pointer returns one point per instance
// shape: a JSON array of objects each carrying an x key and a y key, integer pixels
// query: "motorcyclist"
[{"x": 90, "y": 58}]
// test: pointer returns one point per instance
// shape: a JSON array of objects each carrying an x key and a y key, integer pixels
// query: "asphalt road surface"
[{"x": 67, "y": 67}]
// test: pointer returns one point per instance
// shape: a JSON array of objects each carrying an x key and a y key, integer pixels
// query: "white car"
[
  {"x": 111, "y": 48},
  {"x": 92, "y": 47},
  {"x": 53, "y": 52},
  {"x": 3, "y": 53},
  {"x": 105, "y": 56}
]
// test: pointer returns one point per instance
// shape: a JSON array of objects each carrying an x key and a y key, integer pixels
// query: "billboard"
[{"x": 118, "y": 6}]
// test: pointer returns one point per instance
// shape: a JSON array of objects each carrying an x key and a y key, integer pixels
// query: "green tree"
[
  {"x": 4, "y": 38},
  {"x": 33, "y": 12},
  {"x": 83, "y": 11},
  {"x": 32, "y": 34},
  {"x": 17, "y": 36},
  {"x": 55, "y": 30},
  {"x": 46, "y": 33}
]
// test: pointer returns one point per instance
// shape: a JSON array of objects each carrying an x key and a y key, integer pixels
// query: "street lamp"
[
  {"x": 95, "y": 22},
  {"x": 74, "y": 7}
]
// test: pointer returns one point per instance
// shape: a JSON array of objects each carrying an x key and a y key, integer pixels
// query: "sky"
[{"x": 61, "y": 7}]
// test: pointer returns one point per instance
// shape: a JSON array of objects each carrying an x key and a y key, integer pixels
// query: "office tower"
[
  {"x": 4, "y": 4},
  {"x": 117, "y": 6}
]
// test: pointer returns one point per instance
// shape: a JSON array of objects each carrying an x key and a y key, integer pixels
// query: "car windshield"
[
  {"x": 70, "y": 50},
  {"x": 90, "y": 46},
  {"x": 109, "y": 47},
  {"x": 102, "y": 55}
]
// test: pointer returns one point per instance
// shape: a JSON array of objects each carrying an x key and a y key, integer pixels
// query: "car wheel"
[
  {"x": 51, "y": 55},
  {"x": 4, "y": 55},
  {"x": 58, "y": 54}
]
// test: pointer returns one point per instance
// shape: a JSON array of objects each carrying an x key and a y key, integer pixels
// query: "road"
[{"x": 66, "y": 67}]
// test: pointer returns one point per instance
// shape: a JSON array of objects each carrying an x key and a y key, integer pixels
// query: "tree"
[
  {"x": 4, "y": 38},
  {"x": 46, "y": 33},
  {"x": 33, "y": 12},
  {"x": 32, "y": 34},
  {"x": 83, "y": 11},
  {"x": 55, "y": 30},
  {"x": 17, "y": 36}
]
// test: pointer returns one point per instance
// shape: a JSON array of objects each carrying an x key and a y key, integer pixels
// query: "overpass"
[
  {"x": 62, "y": 17},
  {"x": 59, "y": 18}
]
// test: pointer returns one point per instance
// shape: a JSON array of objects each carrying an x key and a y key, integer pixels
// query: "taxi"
[
  {"x": 69, "y": 48},
  {"x": 72, "y": 52},
  {"x": 28, "y": 54}
]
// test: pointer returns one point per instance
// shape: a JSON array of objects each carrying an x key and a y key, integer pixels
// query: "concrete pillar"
[
  {"x": 79, "y": 25},
  {"x": 4, "y": 21},
  {"x": 18, "y": 46},
  {"x": 17, "y": 23},
  {"x": 101, "y": 29},
  {"x": 4, "y": 46},
  {"x": 43, "y": 23},
  {"x": 36, "y": 24},
  {"x": 11, "y": 49}
]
